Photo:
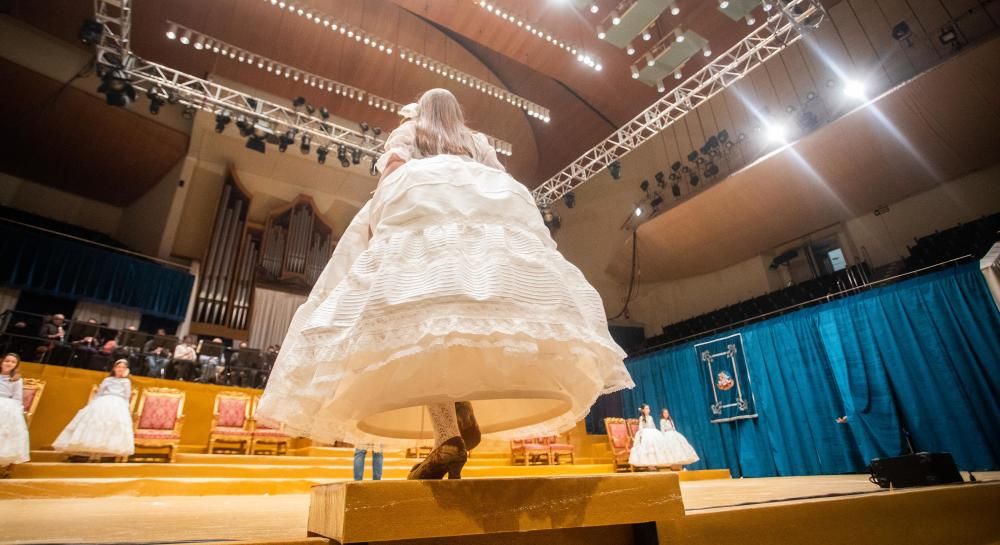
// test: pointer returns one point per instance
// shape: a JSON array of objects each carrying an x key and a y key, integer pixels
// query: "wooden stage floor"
[{"x": 200, "y": 518}]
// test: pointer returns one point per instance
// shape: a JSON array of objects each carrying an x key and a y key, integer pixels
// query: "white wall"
[
  {"x": 886, "y": 236},
  {"x": 883, "y": 237},
  {"x": 59, "y": 205},
  {"x": 143, "y": 222}
]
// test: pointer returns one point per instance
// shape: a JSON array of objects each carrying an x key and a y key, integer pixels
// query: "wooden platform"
[
  {"x": 362, "y": 512},
  {"x": 775, "y": 511}
]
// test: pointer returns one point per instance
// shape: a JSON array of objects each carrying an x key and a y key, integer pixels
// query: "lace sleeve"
[
  {"x": 485, "y": 153},
  {"x": 399, "y": 143}
]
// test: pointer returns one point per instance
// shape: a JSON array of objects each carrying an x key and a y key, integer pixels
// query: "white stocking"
[{"x": 444, "y": 420}]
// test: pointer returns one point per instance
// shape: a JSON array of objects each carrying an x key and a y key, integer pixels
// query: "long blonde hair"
[{"x": 440, "y": 126}]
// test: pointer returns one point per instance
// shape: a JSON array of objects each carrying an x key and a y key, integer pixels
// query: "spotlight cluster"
[
  {"x": 210, "y": 44},
  {"x": 520, "y": 22},
  {"x": 361, "y": 36}
]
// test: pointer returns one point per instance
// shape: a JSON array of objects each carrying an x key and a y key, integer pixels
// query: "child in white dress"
[
  {"x": 679, "y": 452},
  {"x": 446, "y": 288},
  {"x": 14, "y": 446},
  {"x": 648, "y": 448},
  {"x": 104, "y": 426}
]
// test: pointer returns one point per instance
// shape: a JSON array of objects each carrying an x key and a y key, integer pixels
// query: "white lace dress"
[
  {"x": 648, "y": 446},
  {"x": 14, "y": 445},
  {"x": 104, "y": 426},
  {"x": 678, "y": 451},
  {"x": 459, "y": 295}
]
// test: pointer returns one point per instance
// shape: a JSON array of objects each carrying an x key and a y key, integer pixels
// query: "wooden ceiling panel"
[{"x": 73, "y": 141}]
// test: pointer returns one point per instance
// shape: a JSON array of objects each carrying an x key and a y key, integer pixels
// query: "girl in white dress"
[
  {"x": 648, "y": 445},
  {"x": 679, "y": 451},
  {"x": 14, "y": 446},
  {"x": 104, "y": 426},
  {"x": 447, "y": 287}
]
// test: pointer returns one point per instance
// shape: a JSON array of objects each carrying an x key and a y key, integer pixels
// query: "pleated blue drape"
[
  {"x": 921, "y": 355},
  {"x": 36, "y": 261}
]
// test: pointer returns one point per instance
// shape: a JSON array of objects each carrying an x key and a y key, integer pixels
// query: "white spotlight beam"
[{"x": 785, "y": 27}]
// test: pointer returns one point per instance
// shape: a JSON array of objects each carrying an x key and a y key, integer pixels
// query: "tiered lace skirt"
[
  {"x": 103, "y": 427},
  {"x": 14, "y": 447},
  {"x": 459, "y": 295}
]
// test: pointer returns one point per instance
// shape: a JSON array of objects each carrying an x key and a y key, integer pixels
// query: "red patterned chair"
[
  {"x": 159, "y": 419},
  {"x": 232, "y": 428},
  {"x": 620, "y": 440},
  {"x": 266, "y": 438},
  {"x": 33, "y": 389},
  {"x": 527, "y": 451},
  {"x": 633, "y": 427},
  {"x": 559, "y": 449}
]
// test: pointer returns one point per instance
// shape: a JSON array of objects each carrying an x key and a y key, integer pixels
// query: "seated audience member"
[
  {"x": 211, "y": 365},
  {"x": 54, "y": 331},
  {"x": 157, "y": 356},
  {"x": 185, "y": 359}
]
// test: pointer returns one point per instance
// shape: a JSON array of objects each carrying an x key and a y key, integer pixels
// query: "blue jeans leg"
[
  {"x": 359, "y": 463},
  {"x": 377, "y": 465}
]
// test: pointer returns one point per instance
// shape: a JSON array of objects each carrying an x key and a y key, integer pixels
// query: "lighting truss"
[
  {"x": 785, "y": 25},
  {"x": 115, "y": 56}
]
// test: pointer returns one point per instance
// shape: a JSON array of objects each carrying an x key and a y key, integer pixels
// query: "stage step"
[{"x": 590, "y": 509}]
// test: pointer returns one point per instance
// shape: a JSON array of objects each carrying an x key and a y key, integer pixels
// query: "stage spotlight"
[
  {"x": 854, "y": 89},
  {"x": 221, "y": 120},
  {"x": 711, "y": 170},
  {"x": 91, "y": 31},
  {"x": 550, "y": 218},
  {"x": 245, "y": 126},
  {"x": 286, "y": 140},
  {"x": 116, "y": 89},
  {"x": 157, "y": 98},
  {"x": 172, "y": 32},
  {"x": 569, "y": 200},
  {"x": 594, "y": 8},
  {"x": 659, "y": 180},
  {"x": 342, "y": 156},
  {"x": 949, "y": 36},
  {"x": 723, "y": 136},
  {"x": 373, "y": 169},
  {"x": 256, "y": 144},
  {"x": 693, "y": 156},
  {"x": 364, "y": 127},
  {"x": 638, "y": 211},
  {"x": 298, "y": 101},
  {"x": 310, "y": 109},
  {"x": 902, "y": 33},
  {"x": 776, "y": 132},
  {"x": 355, "y": 156},
  {"x": 676, "y": 166},
  {"x": 324, "y": 113},
  {"x": 376, "y": 131},
  {"x": 694, "y": 179},
  {"x": 615, "y": 168},
  {"x": 676, "y": 190},
  {"x": 305, "y": 146},
  {"x": 188, "y": 112},
  {"x": 644, "y": 185},
  {"x": 321, "y": 154},
  {"x": 656, "y": 202}
]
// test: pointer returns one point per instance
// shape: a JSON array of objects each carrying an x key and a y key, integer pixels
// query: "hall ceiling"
[{"x": 586, "y": 105}]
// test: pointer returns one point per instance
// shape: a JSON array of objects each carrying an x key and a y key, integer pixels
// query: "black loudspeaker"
[{"x": 920, "y": 469}]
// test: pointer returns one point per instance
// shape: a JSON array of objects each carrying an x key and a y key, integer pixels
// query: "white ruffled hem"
[
  {"x": 103, "y": 427},
  {"x": 15, "y": 447}
]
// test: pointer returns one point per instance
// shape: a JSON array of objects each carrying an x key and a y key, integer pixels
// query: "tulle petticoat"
[
  {"x": 459, "y": 296},
  {"x": 103, "y": 427},
  {"x": 14, "y": 445},
  {"x": 678, "y": 450}
]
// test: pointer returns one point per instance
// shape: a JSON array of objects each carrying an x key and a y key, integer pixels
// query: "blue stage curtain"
[
  {"x": 36, "y": 261},
  {"x": 923, "y": 355}
]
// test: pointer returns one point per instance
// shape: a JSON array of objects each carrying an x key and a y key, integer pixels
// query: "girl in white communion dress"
[
  {"x": 679, "y": 451},
  {"x": 104, "y": 426},
  {"x": 14, "y": 447},
  {"x": 446, "y": 292}
]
